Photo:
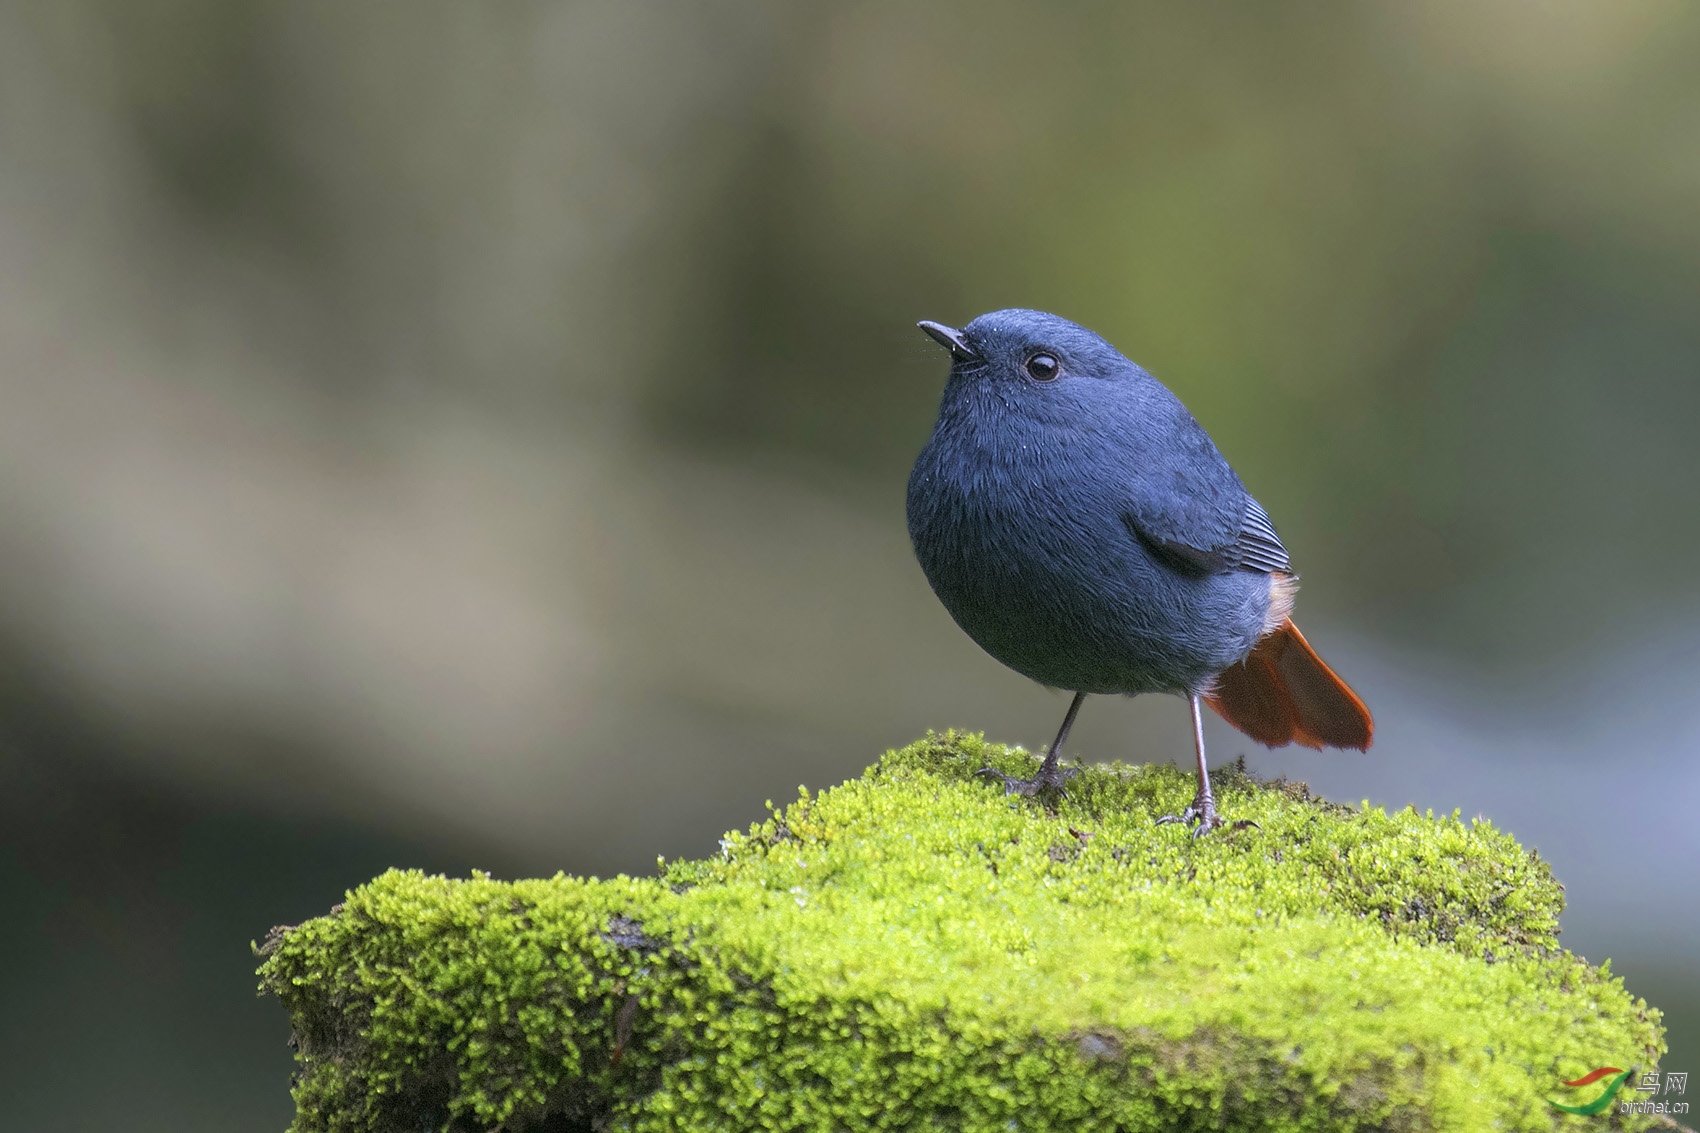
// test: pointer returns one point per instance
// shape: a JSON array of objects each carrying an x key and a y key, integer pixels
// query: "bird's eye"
[{"x": 1043, "y": 367}]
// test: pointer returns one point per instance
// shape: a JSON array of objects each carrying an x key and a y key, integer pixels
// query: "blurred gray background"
[{"x": 456, "y": 435}]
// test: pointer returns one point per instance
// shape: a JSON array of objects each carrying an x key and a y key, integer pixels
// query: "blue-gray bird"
[{"x": 1080, "y": 525}]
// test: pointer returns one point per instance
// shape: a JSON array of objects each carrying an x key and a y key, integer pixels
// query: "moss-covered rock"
[{"x": 914, "y": 950}]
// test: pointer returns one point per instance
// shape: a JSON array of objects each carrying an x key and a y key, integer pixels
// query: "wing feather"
[{"x": 1255, "y": 546}]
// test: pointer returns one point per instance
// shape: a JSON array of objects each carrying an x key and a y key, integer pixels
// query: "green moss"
[{"x": 913, "y": 950}]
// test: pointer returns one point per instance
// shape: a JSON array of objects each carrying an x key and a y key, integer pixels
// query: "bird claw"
[
  {"x": 1202, "y": 816},
  {"x": 1048, "y": 779}
]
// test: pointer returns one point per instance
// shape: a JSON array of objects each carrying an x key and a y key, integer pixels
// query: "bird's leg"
[
  {"x": 1203, "y": 808},
  {"x": 1051, "y": 777}
]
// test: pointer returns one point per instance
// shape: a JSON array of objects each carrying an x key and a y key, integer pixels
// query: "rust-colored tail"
[{"x": 1282, "y": 693}]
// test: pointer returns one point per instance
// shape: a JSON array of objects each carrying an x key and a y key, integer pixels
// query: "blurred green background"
[{"x": 456, "y": 435}]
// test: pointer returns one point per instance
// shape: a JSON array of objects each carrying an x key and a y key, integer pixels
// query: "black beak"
[{"x": 950, "y": 339}]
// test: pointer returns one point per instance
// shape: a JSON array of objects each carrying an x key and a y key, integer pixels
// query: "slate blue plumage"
[
  {"x": 1040, "y": 511},
  {"x": 1081, "y": 526}
]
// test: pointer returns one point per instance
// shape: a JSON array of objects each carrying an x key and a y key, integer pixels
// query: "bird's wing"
[
  {"x": 1190, "y": 508},
  {"x": 1254, "y": 547}
]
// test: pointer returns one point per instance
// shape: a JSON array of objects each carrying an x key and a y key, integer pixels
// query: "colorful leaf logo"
[
  {"x": 1599, "y": 1104},
  {"x": 1593, "y": 1076}
]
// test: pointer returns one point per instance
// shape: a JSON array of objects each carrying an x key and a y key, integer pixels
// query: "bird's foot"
[
  {"x": 1202, "y": 817},
  {"x": 1050, "y": 778}
]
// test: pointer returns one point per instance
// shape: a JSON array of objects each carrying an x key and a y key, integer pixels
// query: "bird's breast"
[{"x": 987, "y": 505}]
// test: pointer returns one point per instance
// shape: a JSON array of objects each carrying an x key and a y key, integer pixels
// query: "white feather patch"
[{"x": 1283, "y": 592}]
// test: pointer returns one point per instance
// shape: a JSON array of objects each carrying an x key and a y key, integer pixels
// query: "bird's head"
[{"x": 1027, "y": 349}]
